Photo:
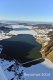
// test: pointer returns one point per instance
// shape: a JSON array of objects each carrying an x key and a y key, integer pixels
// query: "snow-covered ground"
[
  {"x": 3, "y": 36},
  {"x": 42, "y": 71},
  {"x": 2, "y": 74},
  {"x": 21, "y": 26},
  {"x": 32, "y": 32}
]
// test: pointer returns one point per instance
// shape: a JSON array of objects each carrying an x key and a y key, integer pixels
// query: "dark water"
[
  {"x": 22, "y": 47},
  {"x": 19, "y": 29}
]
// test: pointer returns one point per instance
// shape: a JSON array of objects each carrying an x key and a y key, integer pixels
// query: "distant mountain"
[{"x": 50, "y": 26}]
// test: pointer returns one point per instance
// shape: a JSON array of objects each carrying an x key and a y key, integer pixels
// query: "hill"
[{"x": 47, "y": 51}]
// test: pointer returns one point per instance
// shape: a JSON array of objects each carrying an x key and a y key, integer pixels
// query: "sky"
[{"x": 27, "y": 10}]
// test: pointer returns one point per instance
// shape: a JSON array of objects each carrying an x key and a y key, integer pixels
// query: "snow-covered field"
[
  {"x": 2, "y": 74},
  {"x": 32, "y": 32},
  {"x": 42, "y": 71}
]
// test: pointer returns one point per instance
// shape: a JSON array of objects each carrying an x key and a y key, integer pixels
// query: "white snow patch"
[
  {"x": 2, "y": 74},
  {"x": 48, "y": 63}
]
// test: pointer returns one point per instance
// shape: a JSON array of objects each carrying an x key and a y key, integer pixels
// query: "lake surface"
[
  {"x": 21, "y": 29},
  {"x": 22, "y": 47}
]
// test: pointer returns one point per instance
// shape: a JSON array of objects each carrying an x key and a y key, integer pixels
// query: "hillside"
[
  {"x": 50, "y": 34},
  {"x": 47, "y": 51}
]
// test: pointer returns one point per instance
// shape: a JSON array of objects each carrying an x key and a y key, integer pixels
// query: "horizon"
[{"x": 26, "y": 21}]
